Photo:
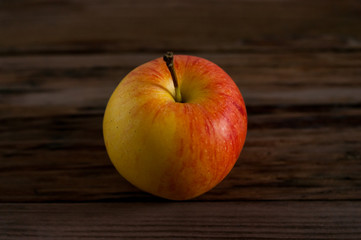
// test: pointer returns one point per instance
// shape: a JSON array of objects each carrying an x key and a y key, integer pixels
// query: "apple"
[{"x": 174, "y": 127}]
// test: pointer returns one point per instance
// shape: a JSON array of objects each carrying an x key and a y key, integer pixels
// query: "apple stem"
[{"x": 168, "y": 58}]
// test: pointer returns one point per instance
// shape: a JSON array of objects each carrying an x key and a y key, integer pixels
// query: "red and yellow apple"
[{"x": 175, "y": 138}]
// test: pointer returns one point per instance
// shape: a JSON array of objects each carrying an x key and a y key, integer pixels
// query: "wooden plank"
[
  {"x": 311, "y": 78},
  {"x": 303, "y": 140},
  {"x": 182, "y": 220},
  {"x": 76, "y": 26}
]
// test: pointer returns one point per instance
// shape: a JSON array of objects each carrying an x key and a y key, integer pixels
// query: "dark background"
[{"x": 297, "y": 64}]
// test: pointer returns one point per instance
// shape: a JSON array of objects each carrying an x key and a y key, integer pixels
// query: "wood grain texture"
[
  {"x": 187, "y": 220},
  {"x": 297, "y": 64},
  {"x": 303, "y": 140},
  {"x": 76, "y": 26}
]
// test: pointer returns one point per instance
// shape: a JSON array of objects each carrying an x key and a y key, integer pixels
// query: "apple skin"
[{"x": 170, "y": 149}]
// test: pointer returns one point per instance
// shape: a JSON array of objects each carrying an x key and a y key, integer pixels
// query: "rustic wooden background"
[{"x": 297, "y": 63}]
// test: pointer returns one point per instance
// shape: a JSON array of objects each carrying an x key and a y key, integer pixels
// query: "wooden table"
[{"x": 297, "y": 63}]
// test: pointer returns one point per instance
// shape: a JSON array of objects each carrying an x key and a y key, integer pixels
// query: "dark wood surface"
[
  {"x": 297, "y": 64},
  {"x": 182, "y": 220}
]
